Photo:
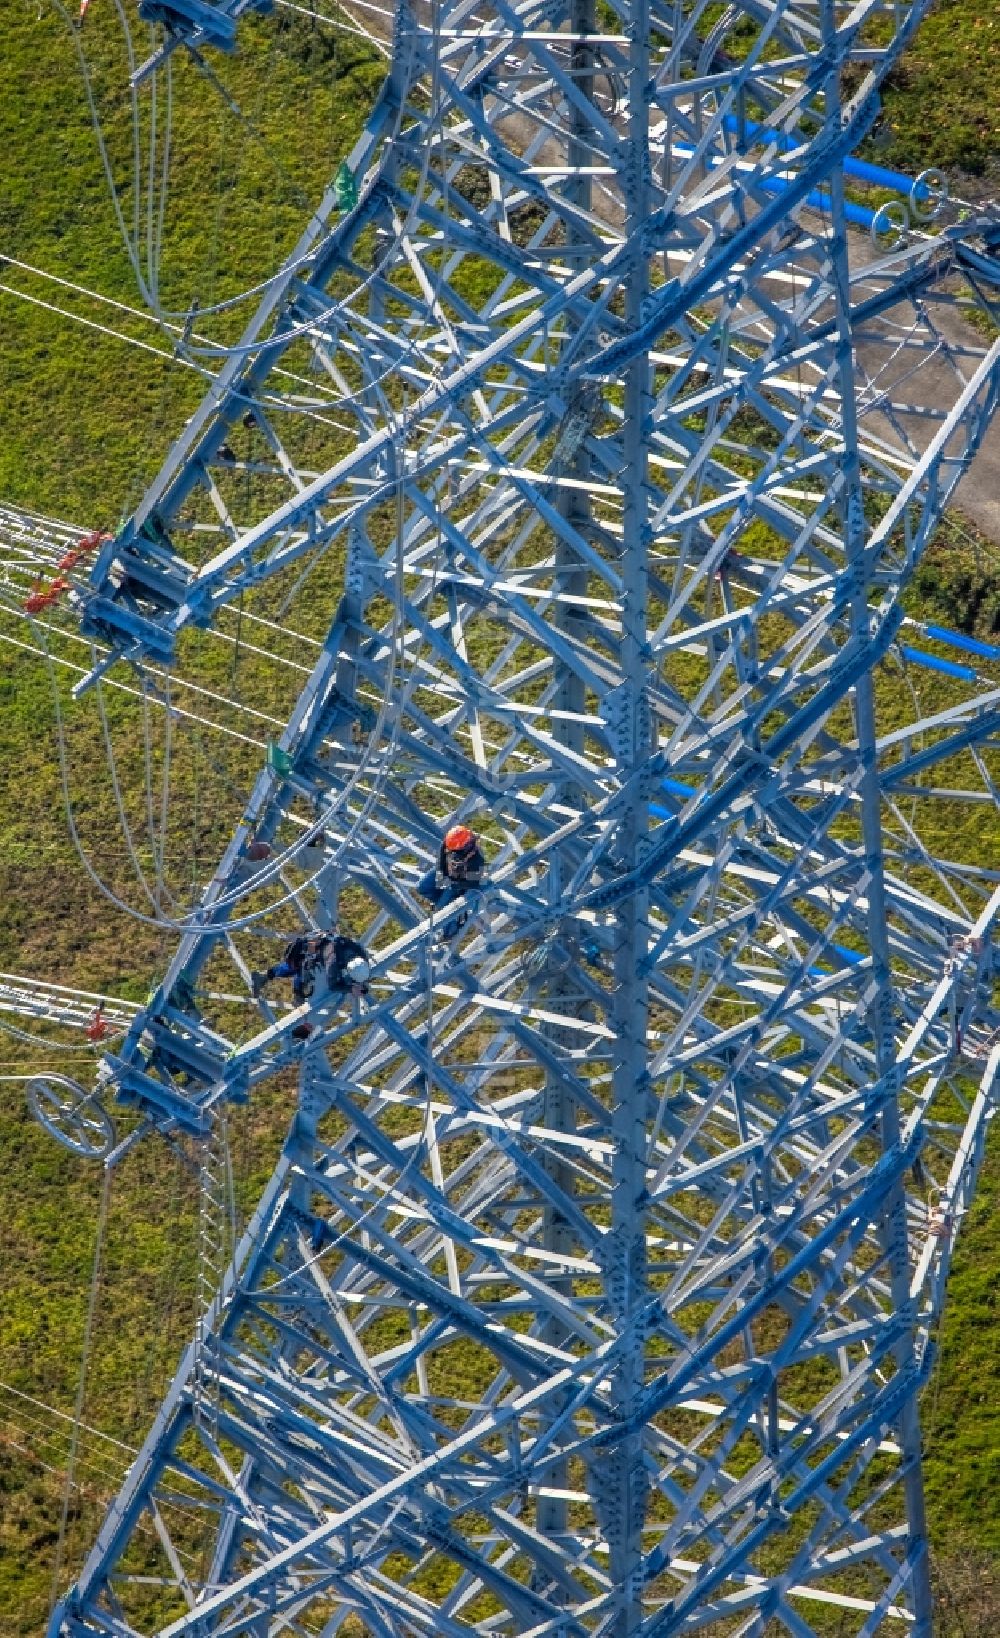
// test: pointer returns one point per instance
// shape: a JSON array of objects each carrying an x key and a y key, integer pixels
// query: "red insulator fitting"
[
  {"x": 90, "y": 543},
  {"x": 98, "y": 1027},
  {"x": 86, "y": 543}
]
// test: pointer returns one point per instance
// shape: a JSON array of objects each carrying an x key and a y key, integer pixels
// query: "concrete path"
[{"x": 936, "y": 386}]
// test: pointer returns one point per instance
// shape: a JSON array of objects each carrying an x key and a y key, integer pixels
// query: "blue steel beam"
[{"x": 644, "y": 1152}]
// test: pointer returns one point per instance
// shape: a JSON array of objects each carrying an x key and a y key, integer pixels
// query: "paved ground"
[{"x": 937, "y": 386}]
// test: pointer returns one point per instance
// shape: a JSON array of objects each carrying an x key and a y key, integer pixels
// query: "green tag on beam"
[
  {"x": 278, "y": 760},
  {"x": 345, "y": 187}
]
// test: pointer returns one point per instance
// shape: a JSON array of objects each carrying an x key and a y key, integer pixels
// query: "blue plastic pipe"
[
  {"x": 878, "y": 175},
  {"x": 860, "y": 215},
  {"x": 931, "y": 662},
  {"x": 957, "y": 639}
]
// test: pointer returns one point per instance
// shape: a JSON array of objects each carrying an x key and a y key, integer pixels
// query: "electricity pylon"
[{"x": 596, "y": 1285}]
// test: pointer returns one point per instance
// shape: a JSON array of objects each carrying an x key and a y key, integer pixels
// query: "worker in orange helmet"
[{"x": 460, "y": 870}]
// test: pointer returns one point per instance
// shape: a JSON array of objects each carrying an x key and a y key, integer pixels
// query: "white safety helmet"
[{"x": 357, "y": 970}]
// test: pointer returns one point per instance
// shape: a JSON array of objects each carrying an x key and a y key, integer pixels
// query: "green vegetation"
[
  {"x": 940, "y": 104},
  {"x": 958, "y": 582},
  {"x": 84, "y": 420}
]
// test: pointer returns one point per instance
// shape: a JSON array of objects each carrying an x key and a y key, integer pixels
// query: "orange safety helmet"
[{"x": 459, "y": 839}]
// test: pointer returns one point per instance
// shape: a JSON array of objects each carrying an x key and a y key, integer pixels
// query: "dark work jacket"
[
  {"x": 468, "y": 869},
  {"x": 294, "y": 953}
]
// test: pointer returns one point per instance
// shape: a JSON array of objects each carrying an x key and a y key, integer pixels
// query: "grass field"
[
  {"x": 940, "y": 105},
  {"x": 84, "y": 420}
]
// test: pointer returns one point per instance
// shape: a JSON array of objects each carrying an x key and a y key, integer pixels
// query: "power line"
[
  {"x": 65, "y": 1416},
  {"x": 81, "y": 671},
  {"x": 105, "y": 330},
  {"x": 337, "y": 23}
]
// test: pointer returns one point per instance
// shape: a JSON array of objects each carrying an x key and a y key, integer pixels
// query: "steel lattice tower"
[{"x": 595, "y": 1287}]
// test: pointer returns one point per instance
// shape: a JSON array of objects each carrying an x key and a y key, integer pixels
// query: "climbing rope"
[
  {"x": 149, "y": 284},
  {"x": 135, "y": 693},
  {"x": 171, "y": 356},
  {"x": 116, "y": 784},
  {"x": 274, "y": 866},
  {"x": 161, "y": 852},
  {"x": 401, "y": 231}
]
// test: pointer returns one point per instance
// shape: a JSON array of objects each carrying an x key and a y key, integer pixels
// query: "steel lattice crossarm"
[
  {"x": 597, "y": 1283},
  {"x": 445, "y": 200}
]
